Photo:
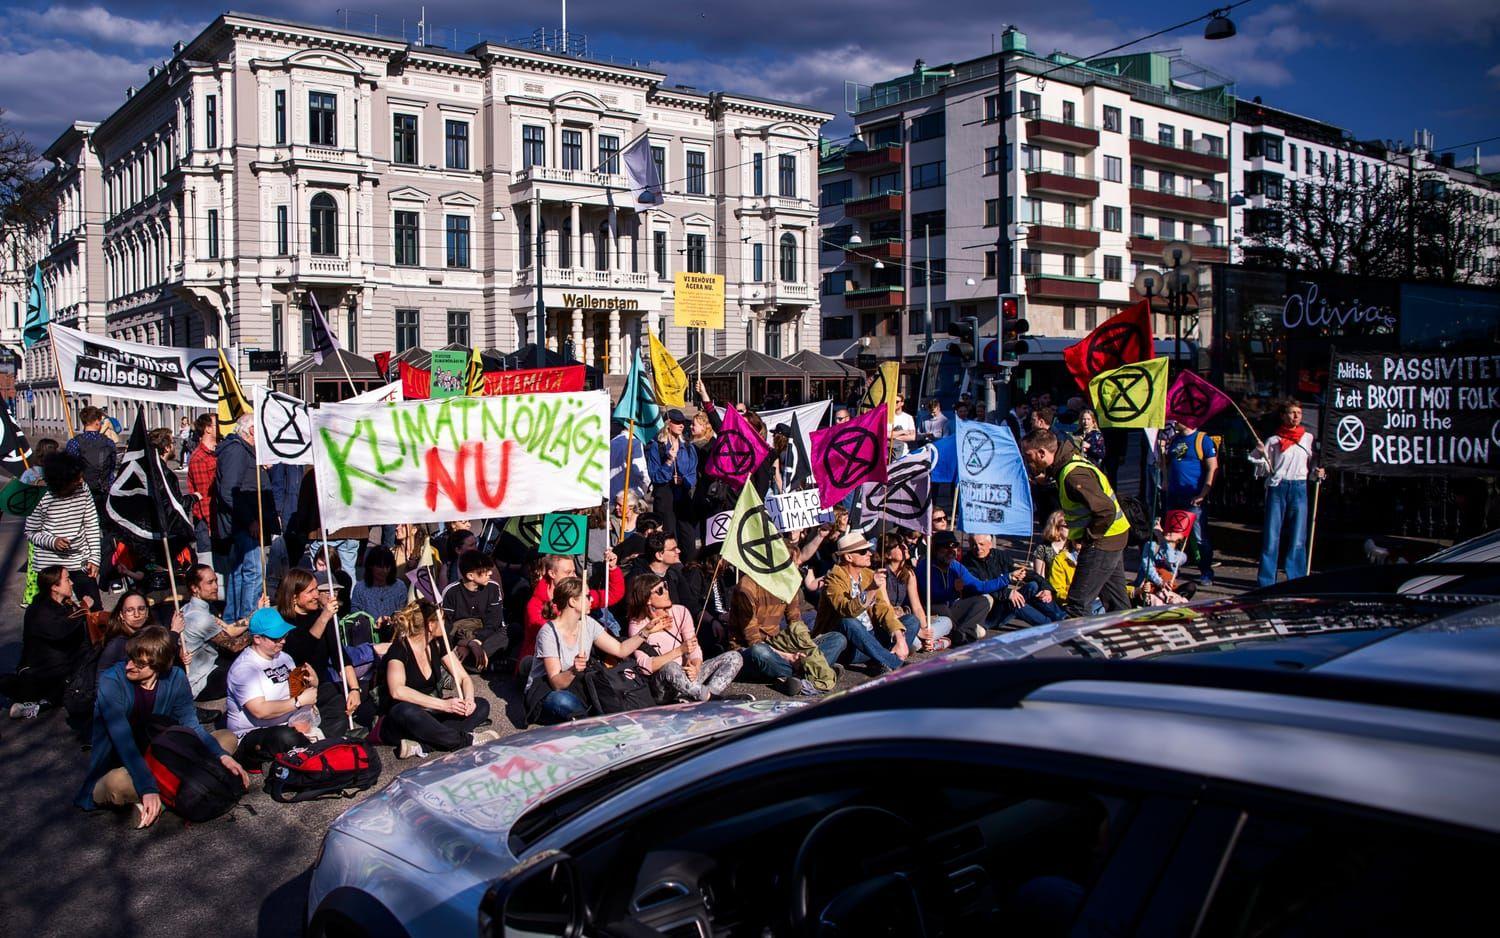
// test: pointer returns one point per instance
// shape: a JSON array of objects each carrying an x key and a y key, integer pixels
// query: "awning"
[
  {"x": 822, "y": 368},
  {"x": 335, "y": 365}
]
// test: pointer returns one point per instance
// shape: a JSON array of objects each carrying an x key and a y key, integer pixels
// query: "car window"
[{"x": 1322, "y": 876}]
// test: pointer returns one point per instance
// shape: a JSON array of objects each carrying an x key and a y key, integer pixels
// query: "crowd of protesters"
[{"x": 281, "y": 633}]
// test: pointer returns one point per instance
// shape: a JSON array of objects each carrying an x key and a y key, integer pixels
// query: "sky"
[{"x": 1380, "y": 68}]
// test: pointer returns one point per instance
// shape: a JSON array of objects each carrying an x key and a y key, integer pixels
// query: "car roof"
[{"x": 1462, "y": 650}]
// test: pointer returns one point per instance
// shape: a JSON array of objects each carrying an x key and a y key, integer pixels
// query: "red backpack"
[
  {"x": 191, "y": 780},
  {"x": 332, "y": 766}
]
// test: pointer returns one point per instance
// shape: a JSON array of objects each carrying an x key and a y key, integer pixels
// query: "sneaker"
[
  {"x": 979, "y": 632},
  {"x": 806, "y": 689},
  {"x": 1206, "y": 579},
  {"x": 838, "y": 671},
  {"x": 485, "y": 736},
  {"x": 26, "y": 710},
  {"x": 410, "y": 747},
  {"x": 791, "y": 685}
]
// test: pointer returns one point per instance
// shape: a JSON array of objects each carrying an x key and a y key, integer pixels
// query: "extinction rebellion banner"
[
  {"x": 463, "y": 457},
  {"x": 92, "y": 364},
  {"x": 1413, "y": 414}
]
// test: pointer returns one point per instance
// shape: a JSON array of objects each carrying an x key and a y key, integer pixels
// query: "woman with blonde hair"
[
  {"x": 1053, "y": 541},
  {"x": 418, "y": 717}
]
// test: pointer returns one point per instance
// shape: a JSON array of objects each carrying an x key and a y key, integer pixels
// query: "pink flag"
[
  {"x": 737, "y": 450},
  {"x": 849, "y": 454},
  {"x": 1192, "y": 402}
]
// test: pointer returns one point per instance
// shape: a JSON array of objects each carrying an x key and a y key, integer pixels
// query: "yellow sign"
[{"x": 698, "y": 301}]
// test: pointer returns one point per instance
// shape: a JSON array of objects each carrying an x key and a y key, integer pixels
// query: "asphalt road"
[{"x": 72, "y": 873}]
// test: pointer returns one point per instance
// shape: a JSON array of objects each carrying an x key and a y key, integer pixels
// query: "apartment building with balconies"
[
  {"x": 1106, "y": 162},
  {"x": 402, "y": 187}
]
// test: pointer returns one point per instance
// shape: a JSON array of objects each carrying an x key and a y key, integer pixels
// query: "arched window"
[
  {"x": 323, "y": 225},
  {"x": 788, "y": 259},
  {"x": 601, "y": 247}
]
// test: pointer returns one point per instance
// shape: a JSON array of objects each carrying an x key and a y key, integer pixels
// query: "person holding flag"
[
  {"x": 672, "y": 463},
  {"x": 240, "y": 519},
  {"x": 854, "y": 603}
]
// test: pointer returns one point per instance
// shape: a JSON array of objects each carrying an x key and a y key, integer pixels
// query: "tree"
[
  {"x": 1333, "y": 225},
  {"x": 1452, "y": 228},
  {"x": 20, "y": 196}
]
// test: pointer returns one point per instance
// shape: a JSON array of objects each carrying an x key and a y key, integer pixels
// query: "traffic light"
[
  {"x": 967, "y": 331},
  {"x": 1012, "y": 328}
]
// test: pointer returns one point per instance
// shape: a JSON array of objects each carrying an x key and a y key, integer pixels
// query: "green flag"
[
  {"x": 525, "y": 528},
  {"x": 754, "y": 546},
  {"x": 638, "y": 403},
  {"x": 1133, "y": 395},
  {"x": 564, "y": 533},
  {"x": 37, "y": 316}
]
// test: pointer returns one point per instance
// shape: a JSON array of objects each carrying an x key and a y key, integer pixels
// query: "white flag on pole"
[{"x": 640, "y": 169}]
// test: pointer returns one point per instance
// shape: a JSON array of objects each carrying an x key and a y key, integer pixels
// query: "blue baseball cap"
[{"x": 269, "y": 623}]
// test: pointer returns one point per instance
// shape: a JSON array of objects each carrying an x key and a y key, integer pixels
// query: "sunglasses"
[{"x": 659, "y": 590}]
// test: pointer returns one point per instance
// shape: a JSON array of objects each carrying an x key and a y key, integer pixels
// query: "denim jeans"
[
  {"x": 1053, "y": 611},
  {"x": 242, "y": 586},
  {"x": 560, "y": 706},
  {"x": 1285, "y": 504},
  {"x": 763, "y": 663},
  {"x": 865, "y": 645},
  {"x": 1200, "y": 534},
  {"x": 940, "y": 625},
  {"x": 347, "y": 549}
]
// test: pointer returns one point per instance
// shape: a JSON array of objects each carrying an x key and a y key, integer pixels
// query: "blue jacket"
[
  {"x": 661, "y": 471},
  {"x": 113, "y": 742},
  {"x": 949, "y": 585}
]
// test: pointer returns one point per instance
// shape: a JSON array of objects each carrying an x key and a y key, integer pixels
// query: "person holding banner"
[
  {"x": 240, "y": 518},
  {"x": 313, "y": 613},
  {"x": 1287, "y": 461}
]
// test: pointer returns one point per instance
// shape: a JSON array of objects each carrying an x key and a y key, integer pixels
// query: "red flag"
[
  {"x": 1192, "y": 402},
  {"x": 1121, "y": 339},
  {"x": 383, "y": 364},
  {"x": 416, "y": 383},
  {"x": 849, "y": 454},
  {"x": 534, "y": 380},
  {"x": 737, "y": 449}
]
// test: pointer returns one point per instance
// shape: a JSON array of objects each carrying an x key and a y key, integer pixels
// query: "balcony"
[
  {"x": 790, "y": 294},
  {"x": 1052, "y": 182},
  {"x": 1148, "y": 151},
  {"x": 891, "y": 249},
  {"x": 1063, "y": 236},
  {"x": 576, "y": 177},
  {"x": 875, "y": 298},
  {"x": 1174, "y": 204},
  {"x": 1202, "y": 253},
  {"x": 876, "y": 159},
  {"x": 889, "y": 202},
  {"x": 1059, "y": 287},
  {"x": 585, "y": 277},
  {"x": 767, "y": 205},
  {"x": 1056, "y": 131}
]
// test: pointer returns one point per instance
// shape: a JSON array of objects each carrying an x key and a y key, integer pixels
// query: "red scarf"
[{"x": 1290, "y": 436}]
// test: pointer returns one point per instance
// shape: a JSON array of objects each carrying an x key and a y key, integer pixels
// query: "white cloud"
[
  {"x": 99, "y": 25},
  {"x": 80, "y": 84}
]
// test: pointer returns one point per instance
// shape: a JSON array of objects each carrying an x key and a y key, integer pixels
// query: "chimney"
[{"x": 1012, "y": 40}]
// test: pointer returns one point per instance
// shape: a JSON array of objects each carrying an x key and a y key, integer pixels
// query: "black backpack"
[
  {"x": 615, "y": 690},
  {"x": 1140, "y": 521},
  {"x": 83, "y": 686},
  {"x": 193, "y": 783},
  {"x": 98, "y": 455},
  {"x": 330, "y": 767}
]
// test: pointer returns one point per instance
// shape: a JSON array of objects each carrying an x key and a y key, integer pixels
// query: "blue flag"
[
  {"x": 945, "y": 468},
  {"x": 37, "y": 315},
  {"x": 638, "y": 403},
  {"x": 994, "y": 493}
]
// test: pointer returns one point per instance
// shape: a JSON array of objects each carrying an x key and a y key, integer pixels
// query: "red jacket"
[{"x": 541, "y": 594}]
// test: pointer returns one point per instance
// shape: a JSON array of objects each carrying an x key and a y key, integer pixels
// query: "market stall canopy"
[
  {"x": 753, "y": 364},
  {"x": 331, "y": 367},
  {"x": 696, "y": 363},
  {"x": 416, "y": 356},
  {"x": 822, "y": 368}
]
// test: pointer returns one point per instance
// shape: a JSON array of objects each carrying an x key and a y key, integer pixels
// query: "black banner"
[
  {"x": 267, "y": 361},
  {"x": 1427, "y": 414}
]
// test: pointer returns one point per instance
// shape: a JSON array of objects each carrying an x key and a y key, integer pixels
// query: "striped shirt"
[{"x": 74, "y": 518}]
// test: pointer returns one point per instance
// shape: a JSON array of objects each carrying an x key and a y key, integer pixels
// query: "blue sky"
[{"x": 1381, "y": 68}]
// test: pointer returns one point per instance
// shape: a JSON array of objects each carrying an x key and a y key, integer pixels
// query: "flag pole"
[
  {"x": 713, "y": 578},
  {"x": 1248, "y": 424},
  {"x": 1312, "y": 529},
  {"x": 927, "y": 600},
  {"x": 625, "y": 491},
  {"x": 172, "y": 572},
  {"x": 442, "y": 625},
  {"x": 338, "y": 637},
  {"x": 260, "y": 531},
  {"x": 62, "y": 392}
]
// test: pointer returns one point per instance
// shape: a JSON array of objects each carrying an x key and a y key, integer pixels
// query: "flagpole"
[
  {"x": 1248, "y": 424},
  {"x": 442, "y": 625},
  {"x": 338, "y": 637},
  {"x": 172, "y": 572},
  {"x": 625, "y": 492},
  {"x": 713, "y": 578},
  {"x": 1312, "y": 529},
  {"x": 260, "y": 531},
  {"x": 62, "y": 392},
  {"x": 927, "y": 600}
]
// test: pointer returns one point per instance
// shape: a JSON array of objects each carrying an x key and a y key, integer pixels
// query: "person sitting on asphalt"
[
  {"x": 131, "y": 614},
  {"x": 776, "y": 643},
  {"x": 137, "y": 698},
  {"x": 550, "y": 570},
  {"x": 1027, "y": 599},
  {"x": 475, "y": 610},
  {"x": 305, "y": 601},
  {"x": 854, "y": 603},
  {"x": 208, "y": 642},
  {"x": 671, "y": 655},
  {"x": 563, "y": 647},
  {"x": 379, "y": 594},
  {"x": 1157, "y": 584},
  {"x": 53, "y": 638},
  {"x": 906, "y": 598},
  {"x": 957, "y": 593},
  {"x": 262, "y": 709},
  {"x": 662, "y": 556},
  {"x": 418, "y": 718}
]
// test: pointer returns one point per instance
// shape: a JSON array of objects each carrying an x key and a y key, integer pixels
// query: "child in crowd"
[{"x": 1161, "y": 557}]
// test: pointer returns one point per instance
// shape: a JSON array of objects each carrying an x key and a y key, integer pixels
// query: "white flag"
[{"x": 640, "y": 169}]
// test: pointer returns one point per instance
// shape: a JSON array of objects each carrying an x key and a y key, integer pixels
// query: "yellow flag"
[
  {"x": 671, "y": 381},
  {"x": 232, "y": 401},
  {"x": 1133, "y": 395},
  {"x": 882, "y": 390},
  {"x": 475, "y": 382}
]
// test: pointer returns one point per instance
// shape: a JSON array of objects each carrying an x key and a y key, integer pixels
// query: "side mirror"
[{"x": 539, "y": 897}]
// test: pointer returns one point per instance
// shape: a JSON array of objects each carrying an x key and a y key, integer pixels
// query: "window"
[
  {"x": 1070, "y": 215},
  {"x": 408, "y": 329},
  {"x": 1166, "y": 135},
  {"x": 787, "y": 175},
  {"x": 281, "y": 231},
  {"x": 404, "y": 142},
  {"x": 659, "y": 254},
  {"x": 991, "y": 108},
  {"x": 405, "y": 239},
  {"x": 458, "y": 241},
  {"x": 322, "y": 119},
  {"x": 1090, "y": 318},
  {"x": 533, "y": 146},
  {"x": 564, "y": 245},
  {"x": 758, "y": 262},
  {"x": 1167, "y": 228},
  {"x": 1070, "y": 164},
  {"x": 1112, "y": 217},
  {"x": 213, "y": 232},
  {"x": 991, "y": 264},
  {"x": 1070, "y": 318},
  {"x": 1112, "y": 267},
  {"x": 1291, "y": 156},
  {"x": 881, "y": 136},
  {"x": 991, "y": 160},
  {"x": 1069, "y": 112},
  {"x": 1031, "y": 211},
  {"x": 927, "y": 175},
  {"x": 278, "y": 118},
  {"x": 835, "y": 238},
  {"x": 351, "y": 328},
  {"x": 922, "y": 222},
  {"x": 308, "y": 342},
  {"x": 659, "y": 157},
  {"x": 697, "y": 181},
  {"x": 833, "y": 284},
  {"x": 1113, "y": 167},
  {"x": 523, "y": 235},
  {"x": 758, "y": 175},
  {"x": 927, "y": 127},
  {"x": 458, "y": 327},
  {"x": 1137, "y": 175},
  {"x": 1323, "y": 162},
  {"x": 322, "y": 227},
  {"x": 1137, "y": 224},
  {"x": 211, "y": 122},
  {"x": 939, "y": 272},
  {"x": 1187, "y": 139},
  {"x": 1266, "y": 184},
  {"x": 838, "y": 327},
  {"x": 788, "y": 258},
  {"x": 1215, "y": 144},
  {"x": 1137, "y": 128},
  {"x": 572, "y": 149},
  {"x": 601, "y": 246},
  {"x": 456, "y": 144},
  {"x": 991, "y": 213},
  {"x": 885, "y": 182},
  {"x": 1031, "y": 262},
  {"x": 1031, "y": 157},
  {"x": 1112, "y": 119},
  {"x": 277, "y": 327},
  {"x": 834, "y": 193},
  {"x": 609, "y": 154},
  {"x": 1166, "y": 182},
  {"x": 697, "y": 253},
  {"x": 1031, "y": 104}
]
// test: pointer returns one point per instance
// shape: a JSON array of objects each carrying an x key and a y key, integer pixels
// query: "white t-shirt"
[
  {"x": 253, "y": 676},
  {"x": 1293, "y": 465},
  {"x": 903, "y": 421},
  {"x": 199, "y": 631},
  {"x": 551, "y": 643}
]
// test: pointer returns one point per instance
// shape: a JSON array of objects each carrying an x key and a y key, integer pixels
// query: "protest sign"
[
  {"x": 793, "y": 511},
  {"x": 450, "y": 373},
  {"x": 698, "y": 300},
  {"x": 91, "y": 364},
  {"x": 994, "y": 494},
  {"x": 903, "y": 498},
  {"x": 1394, "y": 413},
  {"x": 716, "y": 528},
  {"x": 283, "y": 429},
  {"x": 469, "y": 457},
  {"x": 846, "y": 455},
  {"x": 534, "y": 380},
  {"x": 755, "y": 548},
  {"x": 384, "y": 394},
  {"x": 565, "y": 534}
]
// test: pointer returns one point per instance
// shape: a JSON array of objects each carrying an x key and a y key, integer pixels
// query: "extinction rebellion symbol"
[
  {"x": 759, "y": 552},
  {"x": 1126, "y": 394}
]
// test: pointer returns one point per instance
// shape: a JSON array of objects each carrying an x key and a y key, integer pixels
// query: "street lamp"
[{"x": 1175, "y": 283}]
